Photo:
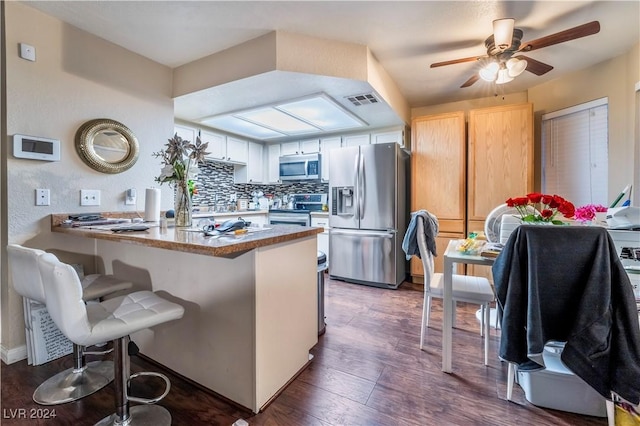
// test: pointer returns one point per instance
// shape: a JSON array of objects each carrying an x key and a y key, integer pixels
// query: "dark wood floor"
[{"x": 367, "y": 370}]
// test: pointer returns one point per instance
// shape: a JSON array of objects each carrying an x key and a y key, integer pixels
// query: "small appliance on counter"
[
  {"x": 242, "y": 204},
  {"x": 263, "y": 203}
]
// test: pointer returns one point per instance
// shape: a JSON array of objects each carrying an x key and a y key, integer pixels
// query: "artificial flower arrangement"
[
  {"x": 180, "y": 161},
  {"x": 542, "y": 208},
  {"x": 588, "y": 212}
]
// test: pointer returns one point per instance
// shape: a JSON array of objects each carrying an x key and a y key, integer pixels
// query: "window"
[{"x": 575, "y": 153}]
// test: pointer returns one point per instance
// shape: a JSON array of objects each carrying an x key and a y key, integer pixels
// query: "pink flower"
[{"x": 587, "y": 212}]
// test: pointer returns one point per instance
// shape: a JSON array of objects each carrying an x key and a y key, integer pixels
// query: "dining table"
[{"x": 452, "y": 257}]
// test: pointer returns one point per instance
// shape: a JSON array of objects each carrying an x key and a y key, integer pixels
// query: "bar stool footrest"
[{"x": 150, "y": 400}]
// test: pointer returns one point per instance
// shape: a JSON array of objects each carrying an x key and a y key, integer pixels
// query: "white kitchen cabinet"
[
  {"x": 260, "y": 220},
  {"x": 386, "y": 137},
  {"x": 217, "y": 145},
  {"x": 252, "y": 171},
  {"x": 309, "y": 146},
  {"x": 185, "y": 132},
  {"x": 321, "y": 220},
  {"x": 273, "y": 163},
  {"x": 326, "y": 145},
  {"x": 255, "y": 163},
  {"x": 237, "y": 150},
  {"x": 356, "y": 140},
  {"x": 290, "y": 148}
]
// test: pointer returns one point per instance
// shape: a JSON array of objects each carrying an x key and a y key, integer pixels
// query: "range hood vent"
[{"x": 363, "y": 99}]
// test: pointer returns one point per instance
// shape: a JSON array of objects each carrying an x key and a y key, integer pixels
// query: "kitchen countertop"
[
  {"x": 190, "y": 240},
  {"x": 320, "y": 214}
]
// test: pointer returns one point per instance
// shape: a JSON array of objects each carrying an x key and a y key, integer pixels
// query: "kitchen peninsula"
[{"x": 250, "y": 302}]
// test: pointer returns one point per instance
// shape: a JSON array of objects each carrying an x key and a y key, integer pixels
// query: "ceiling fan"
[{"x": 501, "y": 65}]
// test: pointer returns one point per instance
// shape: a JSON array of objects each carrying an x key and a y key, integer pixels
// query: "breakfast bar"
[{"x": 250, "y": 301}]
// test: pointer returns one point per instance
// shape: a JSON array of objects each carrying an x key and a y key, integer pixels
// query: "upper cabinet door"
[
  {"x": 237, "y": 150},
  {"x": 326, "y": 146},
  {"x": 217, "y": 145},
  {"x": 290, "y": 148},
  {"x": 310, "y": 146},
  {"x": 356, "y": 140},
  {"x": 186, "y": 133},
  {"x": 438, "y": 167},
  {"x": 386, "y": 137},
  {"x": 273, "y": 163},
  {"x": 255, "y": 163},
  {"x": 500, "y": 156}
]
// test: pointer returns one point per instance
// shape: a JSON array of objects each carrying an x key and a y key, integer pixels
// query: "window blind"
[{"x": 575, "y": 153}]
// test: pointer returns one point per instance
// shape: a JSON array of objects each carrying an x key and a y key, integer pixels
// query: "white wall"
[
  {"x": 76, "y": 77},
  {"x": 614, "y": 79}
]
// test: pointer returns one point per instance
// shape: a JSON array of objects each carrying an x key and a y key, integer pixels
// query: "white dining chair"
[{"x": 466, "y": 288}]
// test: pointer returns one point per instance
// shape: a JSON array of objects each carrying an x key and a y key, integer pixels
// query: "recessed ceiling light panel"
[
  {"x": 321, "y": 112},
  {"x": 311, "y": 115},
  {"x": 277, "y": 120},
  {"x": 238, "y": 126}
]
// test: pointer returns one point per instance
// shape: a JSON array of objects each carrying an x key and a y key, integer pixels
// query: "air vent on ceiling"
[{"x": 364, "y": 99}]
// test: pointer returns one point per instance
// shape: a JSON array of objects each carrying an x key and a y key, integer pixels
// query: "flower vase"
[{"x": 183, "y": 208}]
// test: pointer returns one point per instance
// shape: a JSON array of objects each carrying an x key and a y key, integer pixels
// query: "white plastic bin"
[{"x": 559, "y": 388}]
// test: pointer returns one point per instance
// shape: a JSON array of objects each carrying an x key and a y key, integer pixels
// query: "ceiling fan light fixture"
[
  {"x": 503, "y": 76},
  {"x": 503, "y": 32},
  {"x": 489, "y": 72},
  {"x": 516, "y": 66}
]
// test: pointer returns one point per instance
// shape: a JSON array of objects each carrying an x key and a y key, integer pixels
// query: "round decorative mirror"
[{"x": 107, "y": 145}]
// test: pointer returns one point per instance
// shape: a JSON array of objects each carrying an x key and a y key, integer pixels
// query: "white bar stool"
[
  {"x": 113, "y": 319},
  {"x": 83, "y": 378}
]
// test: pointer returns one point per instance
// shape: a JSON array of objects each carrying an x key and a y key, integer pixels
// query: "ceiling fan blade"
[
  {"x": 457, "y": 61},
  {"x": 471, "y": 80},
  {"x": 566, "y": 35},
  {"x": 535, "y": 67}
]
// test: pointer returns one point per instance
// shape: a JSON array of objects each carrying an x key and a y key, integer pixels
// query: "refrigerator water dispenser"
[{"x": 343, "y": 204}]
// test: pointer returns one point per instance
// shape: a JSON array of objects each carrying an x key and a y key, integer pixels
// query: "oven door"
[{"x": 302, "y": 219}]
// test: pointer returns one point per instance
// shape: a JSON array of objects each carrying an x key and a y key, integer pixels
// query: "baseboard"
[{"x": 9, "y": 356}]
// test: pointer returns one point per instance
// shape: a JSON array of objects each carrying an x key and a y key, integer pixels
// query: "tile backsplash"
[{"x": 215, "y": 185}]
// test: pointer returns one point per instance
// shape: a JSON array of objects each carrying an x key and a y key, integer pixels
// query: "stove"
[{"x": 303, "y": 205}]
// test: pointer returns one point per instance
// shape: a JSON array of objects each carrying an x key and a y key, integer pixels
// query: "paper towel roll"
[{"x": 152, "y": 205}]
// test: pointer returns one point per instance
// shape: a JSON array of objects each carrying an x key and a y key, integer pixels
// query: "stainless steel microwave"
[{"x": 300, "y": 167}]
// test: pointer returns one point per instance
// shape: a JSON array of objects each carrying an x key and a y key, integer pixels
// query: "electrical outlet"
[
  {"x": 43, "y": 197},
  {"x": 89, "y": 197},
  {"x": 130, "y": 197}
]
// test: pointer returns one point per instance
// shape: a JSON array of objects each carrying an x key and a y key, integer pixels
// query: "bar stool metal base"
[
  {"x": 71, "y": 384},
  {"x": 140, "y": 415}
]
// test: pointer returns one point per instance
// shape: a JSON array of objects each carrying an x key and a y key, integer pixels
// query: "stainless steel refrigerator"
[{"x": 368, "y": 214}]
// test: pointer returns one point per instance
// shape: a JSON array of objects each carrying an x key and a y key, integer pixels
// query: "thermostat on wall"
[{"x": 36, "y": 148}]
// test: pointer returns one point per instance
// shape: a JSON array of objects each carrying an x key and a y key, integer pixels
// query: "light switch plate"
[{"x": 89, "y": 197}]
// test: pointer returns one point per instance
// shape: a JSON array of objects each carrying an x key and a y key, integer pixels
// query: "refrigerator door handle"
[
  {"x": 361, "y": 185},
  {"x": 356, "y": 182},
  {"x": 384, "y": 234}
]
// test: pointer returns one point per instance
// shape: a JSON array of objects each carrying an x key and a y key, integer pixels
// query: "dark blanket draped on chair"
[{"x": 567, "y": 284}]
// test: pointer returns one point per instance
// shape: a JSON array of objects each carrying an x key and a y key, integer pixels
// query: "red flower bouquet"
[{"x": 536, "y": 208}]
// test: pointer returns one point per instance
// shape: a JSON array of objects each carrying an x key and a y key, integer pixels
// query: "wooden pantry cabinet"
[
  {"x": 438, "y": 177},
  {"x": 461, "y": 176},
  {"x": 501, "y": 162}
]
